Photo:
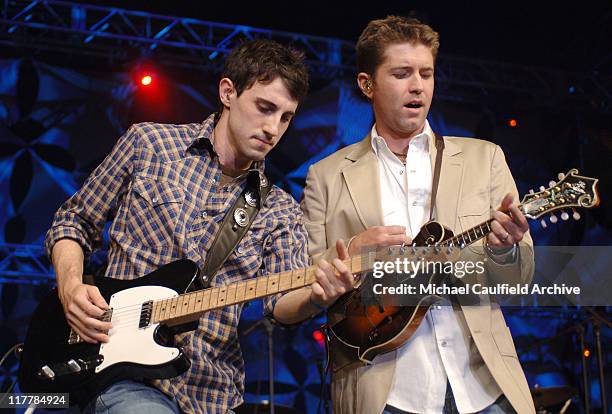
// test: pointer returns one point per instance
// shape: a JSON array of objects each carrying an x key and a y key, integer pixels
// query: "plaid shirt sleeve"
[
  {"x": 288, "y": 245},
  {"x": 83, "y": 216}
]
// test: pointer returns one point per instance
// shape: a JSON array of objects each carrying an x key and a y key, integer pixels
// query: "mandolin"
[{"x": 363, "y": 329}]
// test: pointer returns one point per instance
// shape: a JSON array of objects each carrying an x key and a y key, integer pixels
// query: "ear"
[
  {"x": 226, "y": 91},
  {"x": 364, "y": 81}
]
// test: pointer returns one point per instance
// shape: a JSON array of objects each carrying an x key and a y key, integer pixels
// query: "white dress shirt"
[{"x": 439, "y": 349}]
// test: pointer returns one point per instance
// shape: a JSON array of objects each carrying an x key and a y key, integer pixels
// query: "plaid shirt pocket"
[{"x": 155, "y": 208}]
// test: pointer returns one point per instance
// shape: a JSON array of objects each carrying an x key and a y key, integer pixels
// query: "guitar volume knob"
[
  {"x": 73, "y": 365},
  {"x": 47, "y": 372}
]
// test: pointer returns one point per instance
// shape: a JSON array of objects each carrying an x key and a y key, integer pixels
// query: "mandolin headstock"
[{"x": 570, "y": 192}]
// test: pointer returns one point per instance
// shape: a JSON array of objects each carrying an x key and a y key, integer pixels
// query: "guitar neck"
[
  {"x": 469, "y": 236},
  {"x": 189, "y": 307},
  {"x": 473, "y": 234}
]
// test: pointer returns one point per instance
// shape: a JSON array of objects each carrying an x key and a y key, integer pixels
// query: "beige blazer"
[{"x": 342, "y": 198}]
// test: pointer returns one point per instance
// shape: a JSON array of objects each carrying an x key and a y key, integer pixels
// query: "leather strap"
[
  {"x": 235, "y": 225},
  {"x": 436, "y": 175}
]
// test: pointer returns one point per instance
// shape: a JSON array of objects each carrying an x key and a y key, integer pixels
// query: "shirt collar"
[
  {"x": 420, "y": 141},
  {"x": 205, "y": 138}
]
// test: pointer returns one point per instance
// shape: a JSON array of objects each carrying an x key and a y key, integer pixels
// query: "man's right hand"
[
  {"x": 83, "y": 306},
  {"x": 379, "y": 236}
]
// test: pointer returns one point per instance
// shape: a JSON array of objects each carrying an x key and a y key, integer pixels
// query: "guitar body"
[
  {"x": 360, "y": 331},
  {"x": 133, "y": 352}
]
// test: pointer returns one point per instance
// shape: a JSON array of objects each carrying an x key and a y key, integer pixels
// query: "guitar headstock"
[{"x": 570, "y": 192}]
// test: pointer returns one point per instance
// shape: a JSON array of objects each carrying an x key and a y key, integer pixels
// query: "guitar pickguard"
[{"x": 128, "y": 342}]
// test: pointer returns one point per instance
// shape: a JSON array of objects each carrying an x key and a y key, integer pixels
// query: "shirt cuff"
[
  {"x": 55, "y": 234},
  {"x": 502, "y": 257}
]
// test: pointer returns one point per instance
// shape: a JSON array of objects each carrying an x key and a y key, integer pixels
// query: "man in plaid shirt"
[{"x": 167, "y": 189}]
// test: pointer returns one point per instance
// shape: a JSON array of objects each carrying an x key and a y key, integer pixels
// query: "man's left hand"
[
  {"x": 507, "y": 229},
  {"x": 332, "y": 279}
]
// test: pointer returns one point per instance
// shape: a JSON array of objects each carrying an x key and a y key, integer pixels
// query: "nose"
[
  {"x": 416, "y": 84},
  {"x": 271, "y": 127}
]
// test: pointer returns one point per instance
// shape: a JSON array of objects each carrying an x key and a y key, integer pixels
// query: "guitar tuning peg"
[
  {"x": 543, "y": 223},
  {"x": 542, "y": 188},
  {"x": 576, "y": 215},
  {"x": 553, "y": 218},
  {"x": 561, "y": 176},
  {"x": 564, "y": 216},
  {"x": 531, "y": 191},
  {"x": 551, "y": 183}
]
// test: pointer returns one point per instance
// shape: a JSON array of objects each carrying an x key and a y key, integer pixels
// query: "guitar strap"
[
  {"x": 436, "y": 175},
  {"x": 236, "y": 223},
  {"x": 434, "y": 188}
]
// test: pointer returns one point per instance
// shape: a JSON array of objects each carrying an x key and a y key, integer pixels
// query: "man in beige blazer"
[{"x": 342, "y": 201}]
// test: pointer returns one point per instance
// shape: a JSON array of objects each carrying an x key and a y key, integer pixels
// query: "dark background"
[{"x": 560, "y": 35}]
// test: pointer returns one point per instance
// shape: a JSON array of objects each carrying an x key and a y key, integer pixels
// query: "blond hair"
[{"x": 381, "y": 33}]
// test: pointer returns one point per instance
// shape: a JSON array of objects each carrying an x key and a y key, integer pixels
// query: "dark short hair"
[
  {"x": 264, "y": 60},
  {"x": 381, "y": 33}
]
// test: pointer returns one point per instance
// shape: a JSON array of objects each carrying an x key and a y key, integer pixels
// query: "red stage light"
[
  {"x": 318, "y": 336},
  {"x": 513, "y": 123},
  {"x": 146, "y": 80}
]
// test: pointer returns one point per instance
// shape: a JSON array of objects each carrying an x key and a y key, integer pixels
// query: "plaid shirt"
[{"x": 161, "y": 185}]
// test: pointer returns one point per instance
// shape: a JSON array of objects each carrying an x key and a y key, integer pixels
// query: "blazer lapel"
[
  {"x": 363, "y": 184},
  {"x": 449, "y": 187}
]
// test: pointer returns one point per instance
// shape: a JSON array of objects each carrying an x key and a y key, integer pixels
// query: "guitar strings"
[
  {"x": 139, "y": 305},
  {"x": 131, "y": 319},
  {"x": 136, "y": 309}
]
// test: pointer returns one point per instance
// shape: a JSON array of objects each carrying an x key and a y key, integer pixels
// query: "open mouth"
[{"x": 414, "y": 105}]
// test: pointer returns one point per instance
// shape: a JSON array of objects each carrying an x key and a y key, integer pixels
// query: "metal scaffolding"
[
  {"x": 112, "y": 32},
  {"x": 123, "y": 35},
  {"x": 24, "y": 264}
]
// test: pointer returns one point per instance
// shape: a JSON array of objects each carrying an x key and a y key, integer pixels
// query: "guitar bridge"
[{"x": 75, "y": 338}]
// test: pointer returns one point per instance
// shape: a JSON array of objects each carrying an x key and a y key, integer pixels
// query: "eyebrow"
[
  {"x": 412, "y": 67},
  {"x": 272, "y": 105}
]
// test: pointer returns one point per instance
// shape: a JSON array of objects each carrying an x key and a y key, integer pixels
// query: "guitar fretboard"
[
  {"x": 470, "y": 236},
  {"x": 190, "y": 306},
  {"x": 474, "y": 234}
]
